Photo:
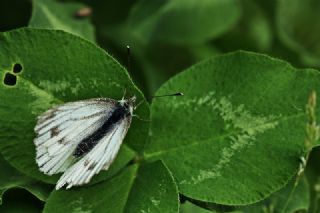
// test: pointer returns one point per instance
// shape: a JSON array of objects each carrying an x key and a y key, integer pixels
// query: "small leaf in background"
[
  {"x": 188, "y": 207},
  {"x": 20, "y": 201},
  {"x": 238, "y": 133},
  {"x": 182, "y": 21},
  {"x": 191, "y": 25},
  {"x": 106, "y": 196},
  {"x": 154, "y": 190},
  {"x": 158, "y": 66},
  {"x": 11, "y": 178},
  {"x": 313, "y": 176},
  {"x": 14, "y": 14},
  {"x": 253, "y": 31},
  {"x": 51, "y": 14},
  {"x": 299, "y": 28},
  {"x": 210, "y": 206},
  {"x": 290, "y": 199},
  {"x": 56, "y": 67}
]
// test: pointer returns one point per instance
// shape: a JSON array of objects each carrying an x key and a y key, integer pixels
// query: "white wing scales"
[
  {"x": 100, "y": 157},
  {"x": 59, "y": 130}
]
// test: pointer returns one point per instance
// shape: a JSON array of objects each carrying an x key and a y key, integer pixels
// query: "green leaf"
[
  {"x": 287, "y": 200},
  {"x": 11, "y": 178},
  {"x": 182, "y": 21},
  {"x": 239, "y": 130},
  {"x": 56, "y": 67},
  {"x": 253, "y": 31},
  {"x": 107, "y": 196},
  {"x": 298, "y": 27},
  {"x": 313, "y": 175},
  {"x": 154, "y": 190},
  {"x": 191, "y": 208},
  {"x": 149, "y": 189},
  {"x": 51, "y": 14}
]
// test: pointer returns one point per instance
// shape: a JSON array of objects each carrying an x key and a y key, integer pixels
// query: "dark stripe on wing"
[{"x": 87, "y": 144}]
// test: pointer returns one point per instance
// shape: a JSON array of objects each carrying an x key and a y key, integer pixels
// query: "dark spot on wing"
[
  {"x": 10, "y": 79},
  {"x": 17, "y": 68},
  {"x": 91, "y": 167},
  {"x": 52, "y": 114},
  {"x": 62, "y": 141},
  {"x": 54, "y": 131}
]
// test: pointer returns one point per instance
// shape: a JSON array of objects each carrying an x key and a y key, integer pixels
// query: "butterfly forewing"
[{"x": 61, "y": 129}]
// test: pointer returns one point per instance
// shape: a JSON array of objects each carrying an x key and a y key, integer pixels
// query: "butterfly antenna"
[
  {"x": 175, "y": 94},
  {"x": 160, "y": 96},
  {"x": 128, "y": 58},
  {"x": 128, "y": 68}
]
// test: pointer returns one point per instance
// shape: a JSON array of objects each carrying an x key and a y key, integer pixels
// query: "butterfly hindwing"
[
  {"x": 100, "y": 157},
  {"x": 60, "y": 129}
]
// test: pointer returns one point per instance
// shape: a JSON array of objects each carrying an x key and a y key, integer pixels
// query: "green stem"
[{"x": 294, "y": 186}]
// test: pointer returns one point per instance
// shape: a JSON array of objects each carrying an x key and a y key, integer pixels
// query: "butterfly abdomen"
[{"x": 88, "y": 143}]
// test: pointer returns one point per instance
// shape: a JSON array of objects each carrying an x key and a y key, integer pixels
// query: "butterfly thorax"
[{"x": 122, "y": 109}]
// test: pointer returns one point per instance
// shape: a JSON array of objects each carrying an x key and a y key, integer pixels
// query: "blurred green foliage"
[{"x": 166, "y": 37}]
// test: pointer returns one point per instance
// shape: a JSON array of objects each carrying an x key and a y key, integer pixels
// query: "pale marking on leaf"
[
  {"x": 61, "y": 86},
  {"x": 75, "y": 88},
  {"x": 43, "y": 99},
  {"x": 57, "y": 86},
  {"x": 154, "y": 201},
  {"x": 247, "y": 126},
  {"x": 77, "y": 206},
  {"x": 116, "y": 84}
]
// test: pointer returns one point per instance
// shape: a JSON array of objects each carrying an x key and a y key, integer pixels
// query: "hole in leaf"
[
  {"x": 17, "y": 68},
  {"x": 10, "y": 79}
]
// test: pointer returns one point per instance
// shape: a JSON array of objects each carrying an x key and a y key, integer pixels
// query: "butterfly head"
[{"x": 128, "y": 104}]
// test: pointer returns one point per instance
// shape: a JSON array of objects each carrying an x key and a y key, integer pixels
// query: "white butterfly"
[{"x": 81, "y": 138}]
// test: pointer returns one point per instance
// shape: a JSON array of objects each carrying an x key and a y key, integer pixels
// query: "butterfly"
[{"x": 81, "y": 138}]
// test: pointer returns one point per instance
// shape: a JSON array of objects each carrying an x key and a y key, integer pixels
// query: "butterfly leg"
[{"x": 138, "y": 117}]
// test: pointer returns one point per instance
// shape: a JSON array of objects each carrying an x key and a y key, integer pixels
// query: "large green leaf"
[
  {"x": 11, "y": 178},
  {"x": 154, "y": 190},
  {"x": 107, "y": 196},
  {"x": 149, "y": 189},
  {"x": 238, "y": 133},
  {"x": 51, "y": 14},
  {"x": 56, "y": 67},
  {"x": 182, "y": 21},
  {"x": 299, "y": 28}
]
